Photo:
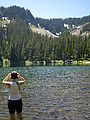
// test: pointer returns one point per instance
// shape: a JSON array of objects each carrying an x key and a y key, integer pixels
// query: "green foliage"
[
  {"x": 57, "y": 25},
  {"x": 53, "y": 25},
  {"x": 14, "y": 12},
  {"x": 86, "y": 27},
  {"x": 19, "y": 44}
]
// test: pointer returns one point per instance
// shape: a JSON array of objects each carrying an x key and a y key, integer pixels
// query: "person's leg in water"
[
  {"x": 11, "y": 108},
  {"x": 12, "y": 117},
  {"x": 19, "y": 109},
  {"x": 19, "y": 116}
]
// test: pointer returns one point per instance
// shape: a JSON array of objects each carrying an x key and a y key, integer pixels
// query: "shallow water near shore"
[{"x": 51, "y": 93}]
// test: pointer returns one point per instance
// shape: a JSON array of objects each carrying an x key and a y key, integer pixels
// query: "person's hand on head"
[
  {"x": 9, "y": 75},
  {"x": 18, "y": 75}
]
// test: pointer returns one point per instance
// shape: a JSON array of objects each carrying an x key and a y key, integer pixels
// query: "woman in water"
[{"x": 15, "y": 99}]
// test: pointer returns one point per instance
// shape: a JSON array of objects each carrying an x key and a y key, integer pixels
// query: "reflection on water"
[{"x": 51, "y": 93}]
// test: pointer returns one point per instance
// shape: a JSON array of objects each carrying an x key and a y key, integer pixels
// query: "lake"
[{"x": 51, "y": 93}]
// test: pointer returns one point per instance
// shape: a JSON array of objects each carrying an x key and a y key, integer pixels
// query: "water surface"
[{"x": 51, "y": 93}]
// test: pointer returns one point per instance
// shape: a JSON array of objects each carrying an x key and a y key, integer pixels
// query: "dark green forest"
[
  {"x": 19, "y": 44},
  {"x": 57, "y": 25},
  {"x": 54, "y": 25}
]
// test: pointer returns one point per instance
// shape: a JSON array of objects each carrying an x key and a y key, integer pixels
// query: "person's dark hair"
[{"x": 14, "y": 75}]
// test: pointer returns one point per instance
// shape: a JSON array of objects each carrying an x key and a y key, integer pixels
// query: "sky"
[{"x": 52, "y": 8}]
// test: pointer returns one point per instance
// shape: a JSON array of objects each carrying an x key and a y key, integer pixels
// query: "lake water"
[{"x": 51, "y": 93}]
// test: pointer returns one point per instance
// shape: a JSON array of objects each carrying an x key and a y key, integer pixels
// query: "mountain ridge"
[{"x": 54, "y": 26}]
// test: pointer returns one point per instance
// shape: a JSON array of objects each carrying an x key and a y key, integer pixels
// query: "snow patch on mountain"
[
  {"x": 77, "y": 30},
  {"x": 42, "y": 31},
  {"x": 67, "y": 26}
]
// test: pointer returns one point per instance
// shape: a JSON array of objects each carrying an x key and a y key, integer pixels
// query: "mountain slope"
[
  {"x": 58, "y": 25},
  {"x": 52, "y": 27},
  {"x": 42, "y": 31},
  {"x": 79, "y": 30},
  {"x": 14, "y": 12}
]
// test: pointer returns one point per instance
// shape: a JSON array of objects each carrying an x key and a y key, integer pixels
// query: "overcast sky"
[{"x": 52, "y": 8}]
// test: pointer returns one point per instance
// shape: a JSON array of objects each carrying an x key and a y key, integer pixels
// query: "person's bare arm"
[
  {"x": 22, "y": 80},
  {"x": 5, "y": 81}
]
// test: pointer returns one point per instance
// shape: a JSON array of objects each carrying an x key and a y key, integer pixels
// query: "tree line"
[
  {"x": 57, "y": 25},
  {"x": 19, "y": 44},
  {"x": 54, "y": 25}
]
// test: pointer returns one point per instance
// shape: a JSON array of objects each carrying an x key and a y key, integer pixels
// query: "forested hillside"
[
  {"x": 58, "y": 25},
  {"x": 14, "y": 12},
  {"x": 53, "y": 25},
  {"x": 19, "y": 44}
]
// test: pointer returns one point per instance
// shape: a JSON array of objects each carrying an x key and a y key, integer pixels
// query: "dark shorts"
[{"x": 15, "y": 105}]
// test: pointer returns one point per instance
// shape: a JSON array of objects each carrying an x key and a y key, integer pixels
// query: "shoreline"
[{"x": 52, "y": 63}]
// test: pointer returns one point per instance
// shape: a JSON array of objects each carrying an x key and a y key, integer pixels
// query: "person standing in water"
[{"x": 15, "y": 99}]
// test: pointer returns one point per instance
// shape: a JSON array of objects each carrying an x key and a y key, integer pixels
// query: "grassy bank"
[
  {"x": 6, "y": 63},
  {"x": 61, "y": 63}
]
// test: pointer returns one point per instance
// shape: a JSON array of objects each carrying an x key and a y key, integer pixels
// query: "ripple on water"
[{"x": 52, "y": 92}]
